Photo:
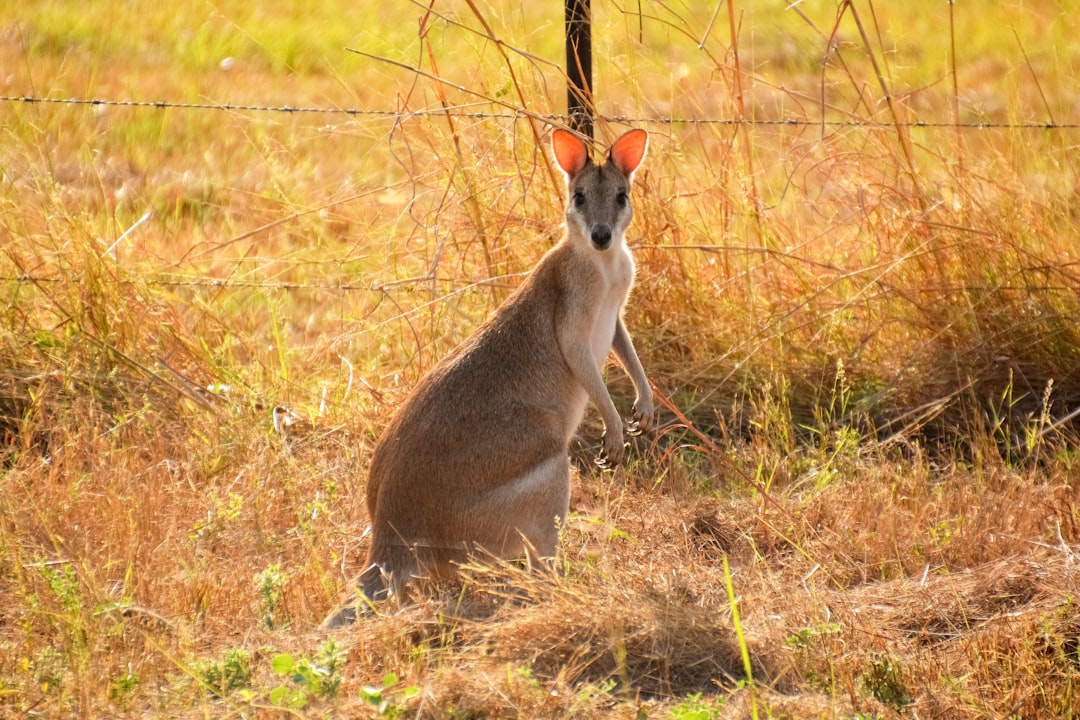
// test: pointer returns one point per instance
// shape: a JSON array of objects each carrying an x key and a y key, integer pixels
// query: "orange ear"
[
  {"x": 629, "y": 150},
  {"x": 570, "y": 152}
]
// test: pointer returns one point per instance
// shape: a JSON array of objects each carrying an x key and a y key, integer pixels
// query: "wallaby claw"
[{"x": 633, "y": 428}]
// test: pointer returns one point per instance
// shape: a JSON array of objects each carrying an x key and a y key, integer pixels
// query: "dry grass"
[{"x": 864, "y": 335}]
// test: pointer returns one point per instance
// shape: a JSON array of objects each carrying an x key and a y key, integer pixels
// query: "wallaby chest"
[{"x": 617, "y": 276}]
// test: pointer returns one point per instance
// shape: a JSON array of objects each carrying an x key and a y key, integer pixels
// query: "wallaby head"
[
  {"x": 599, "y": 195},
  {"x": 475, "y": 461}
]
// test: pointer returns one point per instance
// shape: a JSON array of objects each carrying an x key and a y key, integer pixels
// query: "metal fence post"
[{"x": 579, "y": 103}]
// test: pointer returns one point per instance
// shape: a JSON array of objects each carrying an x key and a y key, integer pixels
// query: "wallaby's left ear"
[{"x": 629, "y": 150}]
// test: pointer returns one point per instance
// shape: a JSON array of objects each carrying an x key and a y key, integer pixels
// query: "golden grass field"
[{"x": 858, "y": 304}]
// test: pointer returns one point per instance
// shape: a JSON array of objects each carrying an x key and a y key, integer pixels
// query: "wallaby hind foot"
[{"x": 370, "y": 589}]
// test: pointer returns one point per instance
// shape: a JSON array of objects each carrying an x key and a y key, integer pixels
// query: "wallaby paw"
[{"x": 611, "y": 454}]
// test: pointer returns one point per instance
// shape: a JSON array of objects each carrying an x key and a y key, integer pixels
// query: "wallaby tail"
[{"x": 370, "y": 589}]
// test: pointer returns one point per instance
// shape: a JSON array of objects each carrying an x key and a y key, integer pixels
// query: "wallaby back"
[{"x": 476, "y": 457}]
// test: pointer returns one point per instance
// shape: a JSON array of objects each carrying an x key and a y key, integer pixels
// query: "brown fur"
[{"x": 476, "y": 457}]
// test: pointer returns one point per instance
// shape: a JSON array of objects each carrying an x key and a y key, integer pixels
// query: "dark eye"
[
  {"x": 621, "y": 199},
  {"x": 579, "y": 199}
]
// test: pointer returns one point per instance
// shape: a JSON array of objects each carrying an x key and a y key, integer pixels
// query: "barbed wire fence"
[
  {"x": 581, "y": 114},
  {"x": 521, "y": 114},
  {"x": 465, "y": 112}
]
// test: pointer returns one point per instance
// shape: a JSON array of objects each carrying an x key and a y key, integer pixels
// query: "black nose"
[{"x": 601, "y": 236}]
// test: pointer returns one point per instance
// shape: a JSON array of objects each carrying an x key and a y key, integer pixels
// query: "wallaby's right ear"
[{"x": 570, "y": 152}]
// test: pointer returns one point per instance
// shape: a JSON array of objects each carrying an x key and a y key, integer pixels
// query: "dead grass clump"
[
  {"x": 987, "y": 640},
  {"x": 768, "y": 531},
  {"x": 945, "y": 605},
  {"x": 713, "y": 531},
  {"x": 883, "y": 519},
  {"x": 513, "y": 643},
  {"x": 656, "y": 647}
]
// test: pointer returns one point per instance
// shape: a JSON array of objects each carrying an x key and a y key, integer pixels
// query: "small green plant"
[
  {"x": 232, "y": 673},
  {"x": 694, "y": 708},
  {"x": 1002, "y": 412},
  {"x": 218, "y": 518},
  {"x": 271, "y": 585},
  {"x": 521, "y": 681},
  {"x": 883, "y": 678},
  {"x": 122, "y": 688},
  {"x": 48, "y": 669},
  {"x": 805, "y": 637},
  {"x": 812, "y": 648},
  {"x": 944, "y": 531},
  {"x": 64, "y": 584},
  {"x": 589, "y": 694},
  {"x": 310, "y": 513},
  {"x": 389, "y": 699},
  {"x": 318, "y": 677}
]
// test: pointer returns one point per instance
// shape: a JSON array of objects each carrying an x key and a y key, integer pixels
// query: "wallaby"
[{"x": 476, "y": 459}]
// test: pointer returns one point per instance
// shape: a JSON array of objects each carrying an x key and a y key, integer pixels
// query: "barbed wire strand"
[
  {"x": 216, "y": 283},
  {"x": 522, "y": 114},
  {"x": 204, "y": 282}
]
